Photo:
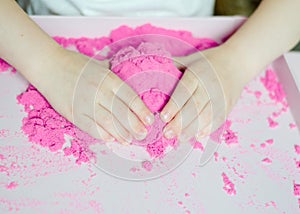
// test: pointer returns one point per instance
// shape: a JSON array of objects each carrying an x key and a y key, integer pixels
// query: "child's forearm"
[
  {"x": 22, "y": 43},
  {"x": 273, "y": 29},
  {"x": 83, "y": 96}
]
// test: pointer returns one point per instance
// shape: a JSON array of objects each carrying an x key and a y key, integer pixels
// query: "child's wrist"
[
  {"x": 41, "y": 71},
  {"x": 40, "y": 63},
  {"x": 239, "y": 63}
]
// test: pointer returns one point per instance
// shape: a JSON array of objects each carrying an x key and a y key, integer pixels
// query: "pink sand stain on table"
[
  {"x": 271, "y": 204},
  {"x": 272, "y": 123},
  {"x": 198, "y": 145},
  {"x": 224, "y": 134},
  {"x": 292, "y": 125},
  {"x": 274, "y": 87},
  {"x": 296, "y": 189},
  {"x": 270, "y": 141},
  {"x": 276, "y": 93},
  {"x": 228, "y": 187},
  {"x": 263, "y": 145},
  {"x": 267, "y": 160},
  {"x": 12, "y": 185},
  {"x": 230, "y": 137},
  {"x": 297, "y": 149},
  {"x": 147, "y": 165},
  {"x": 297, "y": 164},
  {"x": 4, "y": 133}
]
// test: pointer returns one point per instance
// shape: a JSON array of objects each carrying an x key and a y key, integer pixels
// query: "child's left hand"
[{"x": 210, "y": 87}]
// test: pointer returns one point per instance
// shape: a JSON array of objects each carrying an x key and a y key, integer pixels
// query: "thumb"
[{"x": 183, "y": 62}]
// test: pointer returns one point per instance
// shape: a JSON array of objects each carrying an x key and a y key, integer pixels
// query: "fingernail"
[
  {"x": 165, "y": 116},
  {"x": 141, "y": 135},
  {"x": 149, "y": 119},
  {"x": 169, "y": 134}
]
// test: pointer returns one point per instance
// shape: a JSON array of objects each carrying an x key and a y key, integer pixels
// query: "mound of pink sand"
[{"x": 142, "y": 61}]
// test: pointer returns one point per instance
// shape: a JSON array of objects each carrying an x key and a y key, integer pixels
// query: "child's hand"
[
  {"x": 88, "y": 94},
  {"x": 70, "y": 82},
  {"x": 208, "y": 90},
  {"x": 247, "y": 52}
]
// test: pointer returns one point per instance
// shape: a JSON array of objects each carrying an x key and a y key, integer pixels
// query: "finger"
[
  {"x": 198, "y": 124},
  {"x": 128, "y": 96},
  {"x": 203, "y": 133},
  {"x": 182, "y": 93},
  {"x": 92, "y": 128},
  {"x": 209, "y": 122},
  {"x": 128, "y": 119},
  {"x": 104, "y": 135},
  {"x": 187, "y": 114},
  {"x": 185, "y": 61},
  {"x": 120, "y": 110},
  {"x": 105, "y": 63},
  {"x": 109, "y": 123}
]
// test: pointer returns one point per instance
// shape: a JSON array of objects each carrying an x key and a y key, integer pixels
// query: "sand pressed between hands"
[
  {"x": 134, "y": 61},
  {"x": 44, "y": 126}
]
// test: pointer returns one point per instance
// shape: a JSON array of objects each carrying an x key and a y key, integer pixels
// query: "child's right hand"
[{"x": 91, "y": 96}]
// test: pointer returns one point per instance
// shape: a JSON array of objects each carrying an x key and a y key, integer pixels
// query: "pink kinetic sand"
[
  {"x": 136, "y": 66},
  {"x": 267, "y": 160},
  {"x": 229, "y": 136},
  {"x": 272, "y": 123},
  {"x": 297, "y": 149},
  {"x": 147, "y": 165},
  {"x": 296, "y": 189},
  {"x": 12, "y": 185},
  {"x": 274, "y": 87},
  {"x": 292, "y": 125},
  {"x": 270, "y": 141},
  {"x": 228, "y": 185},
  {"x": 224, "y": 133},
  {"x": 276, "y": 93},
  {"x": 134, "y": 61},
  {"x": 46, "y": 127},
  {"x": 198, "y": 145}
]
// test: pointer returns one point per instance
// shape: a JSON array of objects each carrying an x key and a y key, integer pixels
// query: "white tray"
[{"x": 68, "y": 188}]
